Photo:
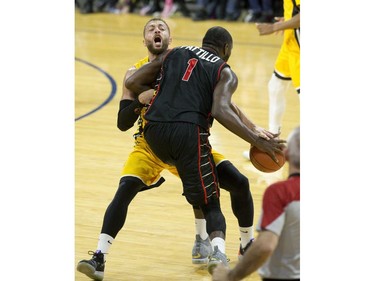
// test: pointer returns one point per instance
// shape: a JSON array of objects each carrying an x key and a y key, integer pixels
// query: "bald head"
[{"x": 220, "y": 40}]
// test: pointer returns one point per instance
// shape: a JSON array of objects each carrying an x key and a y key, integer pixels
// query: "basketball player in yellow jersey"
[
  {"x": 142, "y": 171},
  {"x": 287, "y": 66}
]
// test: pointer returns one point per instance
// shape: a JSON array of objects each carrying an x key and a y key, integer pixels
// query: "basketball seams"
[
  {"x": 263, "y": 162},
  {"x": 259, "y": 166}
]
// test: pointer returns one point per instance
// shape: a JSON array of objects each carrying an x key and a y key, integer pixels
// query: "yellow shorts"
[
  {"x": 142, "y": 163},
  {"x": 287, "y": 64}
]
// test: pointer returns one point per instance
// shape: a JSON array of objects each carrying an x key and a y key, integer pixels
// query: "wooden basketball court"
[{"x": 156, "y": 241}]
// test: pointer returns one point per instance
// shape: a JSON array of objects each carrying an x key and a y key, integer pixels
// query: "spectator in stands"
[{"x": 260, "y": 11}]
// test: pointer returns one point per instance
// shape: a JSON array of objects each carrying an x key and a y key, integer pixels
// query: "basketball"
[{"x": 263, "y": 162}]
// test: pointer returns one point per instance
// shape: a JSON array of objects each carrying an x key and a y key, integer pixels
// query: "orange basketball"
[{"x": 263, "y": 162}]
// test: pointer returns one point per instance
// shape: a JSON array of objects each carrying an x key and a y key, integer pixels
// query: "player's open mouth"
[{"x": 157, "y": 41}]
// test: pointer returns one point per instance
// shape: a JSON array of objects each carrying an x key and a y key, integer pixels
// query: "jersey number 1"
[{"x": 191, "y": 64}]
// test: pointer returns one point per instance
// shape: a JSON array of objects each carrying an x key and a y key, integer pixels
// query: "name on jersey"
[{"x": 202, "y": 53}]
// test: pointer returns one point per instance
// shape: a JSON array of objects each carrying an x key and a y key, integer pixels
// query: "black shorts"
[{"x": 186, "y": 146}]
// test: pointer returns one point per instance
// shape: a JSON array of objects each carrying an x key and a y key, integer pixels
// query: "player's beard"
[{"x": 158, "y": 51}]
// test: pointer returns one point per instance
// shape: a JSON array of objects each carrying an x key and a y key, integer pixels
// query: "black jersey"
[{"x": 185, "y": 92}]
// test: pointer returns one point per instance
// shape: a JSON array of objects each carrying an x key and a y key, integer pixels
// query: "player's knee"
[
  {"x": 242, "y": 182},
  {"x": 128, "y": 189},
  {"x": 241, "y": 186},
  {"x": 131, "y": 182},
  {"x": 231, "y": 179}
]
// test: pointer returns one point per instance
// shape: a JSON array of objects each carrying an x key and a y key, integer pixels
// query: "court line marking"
[{"x": 111, "y": 94}]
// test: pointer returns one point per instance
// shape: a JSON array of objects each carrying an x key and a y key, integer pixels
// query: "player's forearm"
[
  {"x": 146, "y": 97},
  {"x": 144, "y": 78},
  {"x": 293, "y": 23},
  {"x": 128, "y": 113},
  {"x": 243, "y": 117},
  {"x": 136, "y": 86},
  {"x": 231, "y": 121}
]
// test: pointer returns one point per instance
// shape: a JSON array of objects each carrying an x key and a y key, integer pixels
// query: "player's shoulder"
[
  {"x": 130, "y": 71},
  {"x": 141, "y": 62},
  {"x": 227, "y": 74},
  {"x": 186, "y": 49},
  {"x": 136, "y": 66}
]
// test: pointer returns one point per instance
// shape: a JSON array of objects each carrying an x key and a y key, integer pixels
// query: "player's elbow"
[
  {"x": 219, "y": 112},
  {"x": 129, "y": 83},
  {"x": 123, "y": 127},
  {"x": 123, "y": 123}
]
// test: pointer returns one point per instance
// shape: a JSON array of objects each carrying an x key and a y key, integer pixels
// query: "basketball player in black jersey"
[{"x": 194, "y": 86}]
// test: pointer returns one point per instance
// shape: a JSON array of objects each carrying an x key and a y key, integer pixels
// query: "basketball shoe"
[
  {"x": 202, "y": 249},
  {"x": 216, "y": 258},
  {"x": 93, "y": 268},
  {"x": 242, "y": 251}
]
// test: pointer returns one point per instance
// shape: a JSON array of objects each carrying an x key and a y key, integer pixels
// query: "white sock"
[
  {"x": 104, "y": 243},
  {"x": 220, "y": 242},
  {"x": 276, "y": 94},
  {"x": 246, "y": 233},
  {"x": 200, "y": 228}
]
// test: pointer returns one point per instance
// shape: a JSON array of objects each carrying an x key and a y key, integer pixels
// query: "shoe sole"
[{"x": 90, "y": 271}]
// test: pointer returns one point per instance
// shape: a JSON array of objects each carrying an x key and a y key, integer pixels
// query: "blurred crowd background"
[{"x": 197, "y": 10}]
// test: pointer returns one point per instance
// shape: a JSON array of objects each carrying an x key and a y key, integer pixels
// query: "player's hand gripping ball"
[{"x": 263, "y": 162}]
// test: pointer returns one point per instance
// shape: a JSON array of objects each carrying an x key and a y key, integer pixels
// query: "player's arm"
[
  {"x": 243, "y": 117},
  {"x": 226, "y": 114},
  {"x": 144, "y": 97},
  {"x": 261, "y": 249},
  {"x": 224, "y": 111},
  {"x": 144, "y": 78},
  {"x": 269, "y": 28},
  {"x": 292, "y": 23},
  {"x": 129, "y": 107},
  {"x": 258, "y": 130}
]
